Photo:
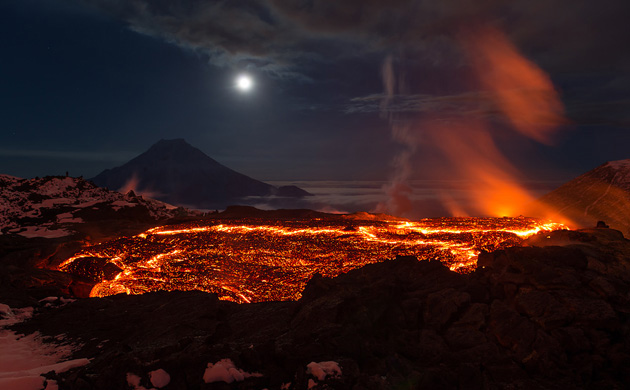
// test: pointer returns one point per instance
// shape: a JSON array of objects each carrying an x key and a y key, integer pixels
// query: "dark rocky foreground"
[{"x": 554, "y": 316}]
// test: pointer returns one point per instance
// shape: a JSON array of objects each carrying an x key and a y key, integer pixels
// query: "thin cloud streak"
[
  {"x": 69, "y": 155},
  {"x": 464, "y": 104}
]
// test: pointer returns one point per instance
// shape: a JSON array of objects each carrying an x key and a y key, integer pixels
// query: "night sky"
[{"x": 87, "y": 85}]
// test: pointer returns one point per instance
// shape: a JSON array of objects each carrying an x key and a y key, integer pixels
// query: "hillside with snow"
[
  {"x": 55, "y": 206},
  {"x": 602, "y": 194}
]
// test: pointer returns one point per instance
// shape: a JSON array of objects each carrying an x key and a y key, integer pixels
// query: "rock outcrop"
[{"x": 60, "y": 206}]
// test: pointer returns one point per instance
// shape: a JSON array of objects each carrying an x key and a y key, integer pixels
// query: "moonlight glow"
[{"x": 244, "y": 83}]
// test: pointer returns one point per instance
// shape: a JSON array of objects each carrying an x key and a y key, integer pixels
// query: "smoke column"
[{"x": 398, "y": 190}]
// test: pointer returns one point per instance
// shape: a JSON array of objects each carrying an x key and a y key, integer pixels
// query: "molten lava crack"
[{"x": 272, "y": 260}]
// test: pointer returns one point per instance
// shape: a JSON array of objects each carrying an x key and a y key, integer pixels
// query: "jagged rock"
[
  {"x": 460, "y": 337},
  {"x": 442, "y": 306},
  {"x": 543, "y": 308},
  {"x": 94, "y": 269},
  {"x": 26, "y": 286},
  {"x": 602, "y": 224}
]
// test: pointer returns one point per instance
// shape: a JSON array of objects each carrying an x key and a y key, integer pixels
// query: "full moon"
[{"x": 244, "y": 83}]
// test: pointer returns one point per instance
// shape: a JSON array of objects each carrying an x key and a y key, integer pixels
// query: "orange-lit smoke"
[
  {"x": 473, "y": 154},
  {"x": 521, "y": 95},
  {"x": 520, "y": 89}
]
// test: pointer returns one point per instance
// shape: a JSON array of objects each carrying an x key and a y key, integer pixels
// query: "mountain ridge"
[{"x": 601, "y": 194}]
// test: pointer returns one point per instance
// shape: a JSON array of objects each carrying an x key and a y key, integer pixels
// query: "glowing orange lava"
[
  {"x": 518, "y": 94},
  {"x": 266, "y": 260}
]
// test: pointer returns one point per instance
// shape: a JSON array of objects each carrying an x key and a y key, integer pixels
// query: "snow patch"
[
  {"x": 23, "y": 383},
  {"x": 87, "y": 204},
  {"x": 13, "y": 316},
  {"x": 24, "y": 359},
  {"x": 159, "y": 378},
  {"x": 51, "y": 385},
  {"x": 38, "y": 231},
  {"x": 68, "y": 218},
  {"x": 323, "y": 369},
  {"x": 225, "y": 371},
  {"x": 71, "y": 220},
  {"x": 50, "y": 203},
  {"x": 123, "y": 203},
  {"x": 133, "y": 379},
  {"x": 56, "y": 301},
  {"x": 5, "y": 310}
]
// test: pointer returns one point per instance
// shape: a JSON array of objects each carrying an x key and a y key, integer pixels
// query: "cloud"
[
  {"x": 282, "y": 37},
  {"x": 232, "y": 34},
  {"x": 286, "y": 38},
  {"x": 560, "y": 32},
  {"x": 474, "y": 105},
  {"x": 603, "y": 110},
  {"x": 465, "y": 104}
]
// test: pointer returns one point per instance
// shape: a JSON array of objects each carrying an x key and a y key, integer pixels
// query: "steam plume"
[{"x": 398, "y": 190}]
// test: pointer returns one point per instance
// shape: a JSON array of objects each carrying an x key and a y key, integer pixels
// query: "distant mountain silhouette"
[
  {"x": 176, "y": 172},
  {"x": 602, "y": 194}
]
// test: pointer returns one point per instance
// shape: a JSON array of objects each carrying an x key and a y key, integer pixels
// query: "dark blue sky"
[{"x": 87, "y": 85}]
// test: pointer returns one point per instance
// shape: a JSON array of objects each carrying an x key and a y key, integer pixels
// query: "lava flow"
[{"x": 271, "y": 260}]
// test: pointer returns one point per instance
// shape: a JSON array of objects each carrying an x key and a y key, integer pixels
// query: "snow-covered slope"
[
  {"x": 25, "y": 359},
  {"x": 602, "y": 194},
  {"x": 53, "y": 206}
]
